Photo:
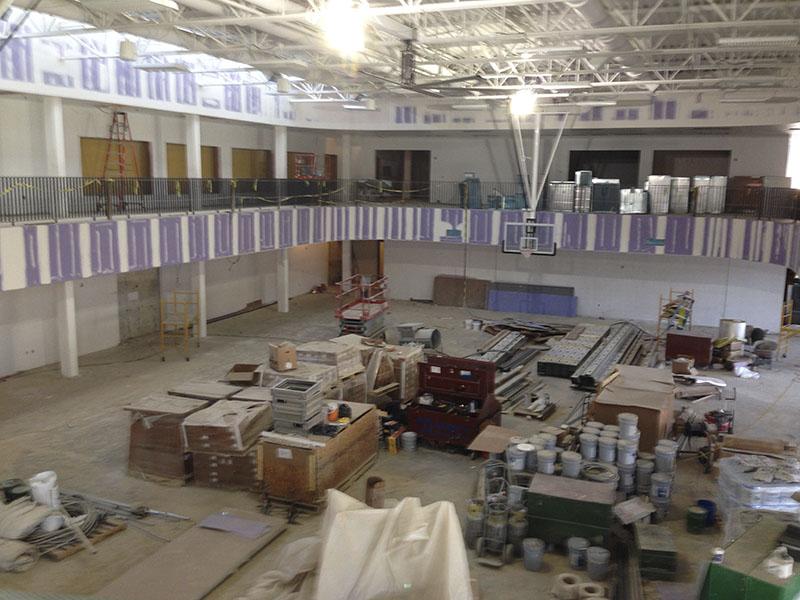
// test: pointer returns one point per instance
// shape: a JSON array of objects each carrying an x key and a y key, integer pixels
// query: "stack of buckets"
[
  {"x": 627, "y": 449},
  {"x": 666, "y": 454}
]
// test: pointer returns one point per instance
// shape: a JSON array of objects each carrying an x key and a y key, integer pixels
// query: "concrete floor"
[{"x": 77, "y": 428}]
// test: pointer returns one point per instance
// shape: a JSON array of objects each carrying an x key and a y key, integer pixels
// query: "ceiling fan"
[{"x": 408, "y": 66}]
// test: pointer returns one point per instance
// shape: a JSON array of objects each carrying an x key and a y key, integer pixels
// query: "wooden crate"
[
  {"x": 345, "y": 357},
  {"x": 227, "y": 426},
  {"x": 293, "y": 472},
  {"x": 156, "y": 442},
  {"x": 237, "y": 471}
]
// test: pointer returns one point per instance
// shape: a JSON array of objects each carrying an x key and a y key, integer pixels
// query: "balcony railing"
[{"x": 47, "y": 199}]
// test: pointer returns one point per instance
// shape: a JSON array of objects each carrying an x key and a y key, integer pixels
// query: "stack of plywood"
[
  {"x": 222, "y": 438},
  {"x": 156, "y": 443},
  {"x": 345, "y": 357}
]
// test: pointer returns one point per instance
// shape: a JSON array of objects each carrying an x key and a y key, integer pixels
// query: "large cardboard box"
[
  {"x": 156, "y": 446},
  {"x": 283, "y": 356},
  {"x": 645, "y": 392},
  {"x": 301, "y": 469},
  {"x": 226, "y": 426},
  {"x": 231, "y": 471}
]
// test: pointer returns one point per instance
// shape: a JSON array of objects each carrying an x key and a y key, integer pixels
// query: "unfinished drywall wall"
[
  {"x": 139, "y": 303},
  {"x": 609, "y": 286},
  {"x": 29, "y": 330},
  {"x": 234, "y": 283},
  {"x": 491, "y": 156}
]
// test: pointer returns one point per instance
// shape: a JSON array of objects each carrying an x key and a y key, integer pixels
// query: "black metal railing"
[{"x": 42, "y": 199}]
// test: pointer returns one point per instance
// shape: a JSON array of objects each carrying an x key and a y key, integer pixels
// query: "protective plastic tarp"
[{"x": 408, "y": 551}]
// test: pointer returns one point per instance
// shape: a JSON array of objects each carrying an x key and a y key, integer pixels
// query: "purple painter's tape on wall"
[
  {"x": 170, "y": 240},
  {"x": 223, "y": 235},
  {"x": 247, "y": 239},
  {"x": 198, "y": 238},
  {"x": 65, "y": 251},
  {"x": 679, "y": 236},
  {"x": 608, "y": 231},
  {"x": 303, "y": 226},
  {"x": 573, "y": 233},
  {"x": 285, "y": 221},
  {"x": 267, "y": 230},
  {"x": 780, "y": 243},
  {"x": 104, "y": 247},
  {"x": 642, "y": 229},
  {"x": 480, "y": 226},
  {"x": 140, "y": 249},
  {"x": 30, "y": 238},
  {"x": 320, "y": 220}
]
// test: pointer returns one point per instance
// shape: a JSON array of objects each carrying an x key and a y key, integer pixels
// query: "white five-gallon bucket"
[{"x": 44, "y": 489}]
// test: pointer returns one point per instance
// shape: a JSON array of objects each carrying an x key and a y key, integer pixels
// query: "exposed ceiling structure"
[{"x": 580, "y": 52}]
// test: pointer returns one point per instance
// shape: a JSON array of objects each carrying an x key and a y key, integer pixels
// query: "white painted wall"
[
  {"x": 233, "y": 283},
  {"x": 492, "y": 155},
  {"x": 611, "y": 286},
  {"x": 23, "y": 135},
  {"x": 29, "y": 330},
  {"x": 489, "y": 154}
]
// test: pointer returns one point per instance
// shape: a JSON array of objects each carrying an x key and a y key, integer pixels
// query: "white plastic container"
[
  {"x": 633, "y": 438},
  {"x": 549, "y": 440},
  {"x": 588, "y": 446},
  {"x": 594, "y": 425},
  {"x": 610, "y": 429},
  {"x": 607, "y": 449},
  {"x": 597, "y": 561},
  {"x": 546, "y": 461},
  {"x": 44, "y": 489},
  {"x": 626, "y": 452},
  {"x": 627, "y": 483},
  {"x": 571, "y": 464},
  {"x": 530, "y": 455},
  {"x": 628, "y": 423},
  {"x": 515, "y": 457},
  {"x": 665, "y": 459},
  {"x": 577, "y": 547},
  {"x": 408, "y": 441},
  {"x": 644, "y": 470},
  {"x": 660, "y": 486},
  {"x": 592, "y": 431}
]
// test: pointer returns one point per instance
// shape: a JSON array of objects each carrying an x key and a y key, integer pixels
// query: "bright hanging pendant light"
[{"x": 343, "y": 23}]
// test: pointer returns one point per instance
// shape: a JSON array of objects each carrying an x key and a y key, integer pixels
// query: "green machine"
[
  {"x": 743, "y": 576},
  {"x": 561, "y": 507}
]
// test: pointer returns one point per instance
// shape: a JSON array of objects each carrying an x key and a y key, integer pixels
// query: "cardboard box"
[
  {"x": 233, "y": 471},
  {"x": 682, "y": 365},
  {"x": 244, "y": 373},
  {"x": 226, "y": 426},
  {"x": 303, "y": 468},
  {"x": 283, "y": 356},
  {"x": 645, "y": 392}
]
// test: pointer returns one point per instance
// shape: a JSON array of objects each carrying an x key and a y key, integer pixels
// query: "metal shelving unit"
[{"x": 674, "y": 312}]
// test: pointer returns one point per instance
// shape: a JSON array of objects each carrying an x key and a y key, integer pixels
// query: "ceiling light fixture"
[
  {"x": 766, "y": 40},
  {"x": 170, "y": 4},
  {"x": 343, "y": 23},
  {"x": 564, "y": 85},
  {"x": 553, "y": 50},
  {"x": 596, "y": 103},
  {"x": 319, "y": 100},
  {"x": 482, "y": 106},
  {"x": 368, "y": 104},
  {"x": 522, "y": 103}
]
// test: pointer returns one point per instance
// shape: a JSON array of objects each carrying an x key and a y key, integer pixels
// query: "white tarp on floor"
[{"x": 363, "y": 553}]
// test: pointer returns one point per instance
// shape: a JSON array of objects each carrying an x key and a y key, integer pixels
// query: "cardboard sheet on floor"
[
  {"x": 193, "y": 564},
  {"x": 492, "y": 439}
]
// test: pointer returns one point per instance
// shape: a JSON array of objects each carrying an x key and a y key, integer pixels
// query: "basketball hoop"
[{"x": 526, "y": 252}]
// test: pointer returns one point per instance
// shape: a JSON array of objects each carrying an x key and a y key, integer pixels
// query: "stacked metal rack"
[
  {"x": 675, "y": 311},
  {"x": 362, "y": 305},
  {"x": 296, "y": 406}
]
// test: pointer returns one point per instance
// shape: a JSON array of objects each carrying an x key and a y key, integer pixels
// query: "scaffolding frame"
[
  {"x": 180, "y": 321},
  {"x": 788, "y": 329},
  {"x": 674, "y": 312}
]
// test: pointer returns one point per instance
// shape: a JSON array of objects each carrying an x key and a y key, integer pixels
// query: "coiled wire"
[{"x": 46, "y": 541}]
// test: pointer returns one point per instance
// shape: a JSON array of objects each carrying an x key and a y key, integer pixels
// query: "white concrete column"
[
  {"x": 194, "y": 168},
  {"x": 201, "y": 298},
  {"x": 347, "y": 259},
  {"x": 55, "y": 148},
  {"x": 280, "y": 155},
  {"x": 282, "y": 283},
  {"x": 346, "y": 170},
  {"x": 159, "y": 147},
  {"x": 67, "y": 328}
]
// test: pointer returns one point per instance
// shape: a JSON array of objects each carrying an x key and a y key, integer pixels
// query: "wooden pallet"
[{"x": 103, "y": 531}]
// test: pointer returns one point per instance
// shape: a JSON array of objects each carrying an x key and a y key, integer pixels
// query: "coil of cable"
[{"x": 601, "y": 473}]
